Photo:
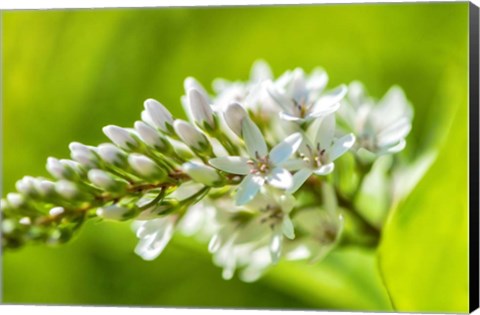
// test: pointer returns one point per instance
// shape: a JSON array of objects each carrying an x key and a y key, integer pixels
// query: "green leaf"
[
  {"x": 346, "y": 279},
  {"x": 424, "y": 249}
]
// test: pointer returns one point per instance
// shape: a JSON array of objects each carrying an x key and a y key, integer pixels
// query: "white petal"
[
  {"x": 341, "y": 146},
  {"x": 331, "y": 98},
  {"x": 393, "y": 106},
  {"x": 200, "y": 108},
  {"x": 287, "y": 228},
  {"x": 324, "y": 169},
  {"x": 190, "y": 135},
  {"x": 260, "y": 71},
  {"x": 317, "y": 80},
  {"x": 253, "y": 138},
  {"x": 323, "y": 110},
  {"x": 152, "y": 245},
  {"x": 325, "y": 132},
  {"x": 234, "y": 115},
  {"x": 276, "y": 246},
  {"x": 298, "y": 179},
  {"x": 394, "y": 133},
  {"x": 231, "y": 164},
  {"x": 157, "y": 114},
  {"x": 282, "y": 151},
  {"x": 294, "y": 164},
  {"x": 393, "y": 149},
  {"x": 120, "y": 136},
  {"x": 192, "y": 83},
  {"x": 279, "y": 98},
  {"x": 248, "y": 189},
  {"x": 288, "y": 117},
  {"x": 280, "y": 178},
  {"x": 201, "y": 173}
]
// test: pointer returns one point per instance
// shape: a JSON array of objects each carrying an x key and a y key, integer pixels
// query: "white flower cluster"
[{"x": 250, "y": 170}]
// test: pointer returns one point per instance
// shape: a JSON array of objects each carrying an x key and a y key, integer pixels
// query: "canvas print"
[{"x": 282, "y": 157}]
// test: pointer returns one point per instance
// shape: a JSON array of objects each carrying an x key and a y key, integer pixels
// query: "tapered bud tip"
[
  {"x": 66, "y": 189},
  {"x": 201, "y": 173},
  {"x": 145, "y": 166},
  {"x": 15, "y": 200},
  {"x": 112, "y": 212},
  {"x": 110, "y": 153},
  {"x": 200, "y": 108},
  {"x": 190, "y": 135},
  {"x": 55, "y": 211},
  {"x": 234, "y": 115},
  {"x": 157, "y": 114},
  {"x": 150, "y": 136},
  {"x": 120, "y": 136},
  {"x": 100, "y": 178}
]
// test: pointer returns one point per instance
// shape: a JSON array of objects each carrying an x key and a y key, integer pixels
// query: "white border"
[{"x": 81, "y": 310}]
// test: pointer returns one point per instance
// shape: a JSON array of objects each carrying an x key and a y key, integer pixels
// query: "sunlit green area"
[{"x": 66, "y": 74}]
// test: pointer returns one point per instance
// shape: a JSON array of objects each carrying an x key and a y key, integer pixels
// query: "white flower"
[
  {"x": 321, "y": 230},
  {"x": 256, "y": 244},
  {"x": 154, "y": 236},
  {"x": 202, "y": 173},
  {"x": 317, "y": 158},
  {"x": 274, "y": 220},
  {"x": 301, "y": 98},
  {"x": 252, "y": 93},
  {"x": 263, "y": 166},
  {"x": 380, "y": 127}
]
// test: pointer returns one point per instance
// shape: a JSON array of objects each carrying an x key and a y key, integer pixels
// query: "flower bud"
[
  {"x": 26, "y": 186},
  {"x": 25, "y": 221},
  {"x": 121, "y": 137},
  {"x": 146, "y": 167},
  {"x": 45, "y": 187},
  {"x": 105, "y": 181},
  {"x": 202, "y": 173},
  {"x": 234, "y": 115},
  {"x": 113, "y": 212},
  {"x": 192, "y": 83},
  {"x": 158, "y": 115},
  {"x": 201, "y": 110},
  {"x": 66, "y": 189},
  {"x": 151, "y": 137},
  {"x": 15, "y": 200},
  {"x": 55, "y": 211},
  {"x": 191, "y": 136},
  {"x": 63, "y": 169},
  {"x": 112, "y": 154},
  {"x": 83, "y": 154}
]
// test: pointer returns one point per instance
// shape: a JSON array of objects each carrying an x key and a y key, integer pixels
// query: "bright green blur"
[{"x": 69, "y": 73}]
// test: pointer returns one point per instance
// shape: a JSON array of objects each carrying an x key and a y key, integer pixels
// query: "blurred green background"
[{"x": 68, "y": 73}]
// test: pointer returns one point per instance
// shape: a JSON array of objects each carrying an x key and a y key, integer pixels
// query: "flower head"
[
  {"x": 380, "y": 127},
  {"x": 302, "y": 99},
  {"x": 262, "y": 166},
  {"x": 317, "y": 157}
]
